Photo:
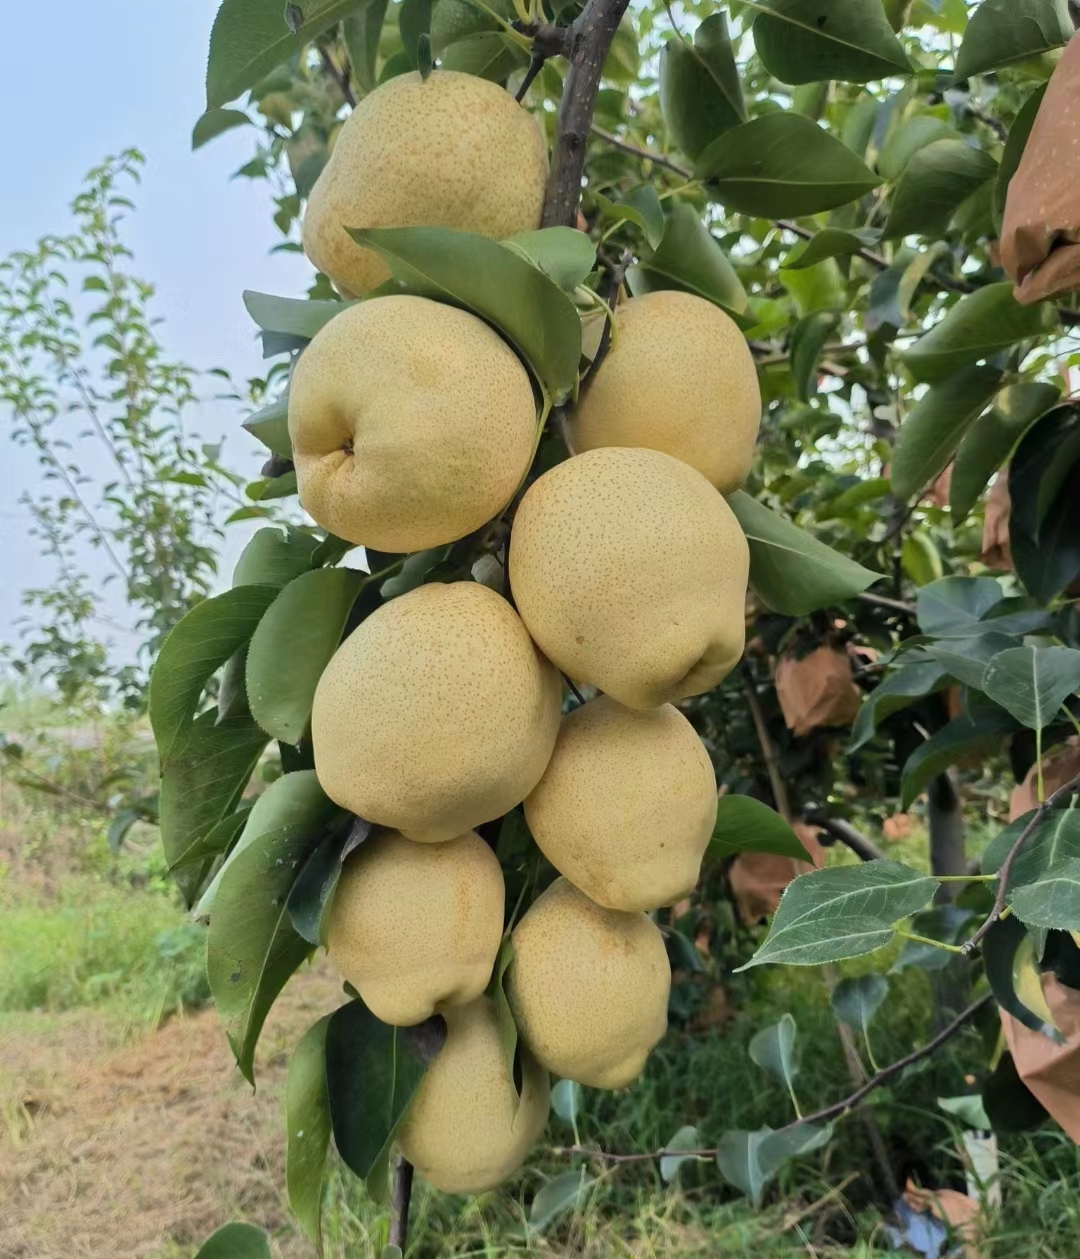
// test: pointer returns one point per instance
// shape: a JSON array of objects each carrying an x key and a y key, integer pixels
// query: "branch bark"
[
  {"x": 863, "y": 847},
  {"x": 401, "y": 1195},
  {"x": 590, "y": 38}
]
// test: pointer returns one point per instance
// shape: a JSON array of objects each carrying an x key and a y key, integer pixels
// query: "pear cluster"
[{"x": 413, "y": 424}]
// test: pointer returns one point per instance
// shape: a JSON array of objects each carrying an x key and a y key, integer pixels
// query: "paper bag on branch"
[
  {"x": 758, "y": 879},
  {"x": 996, "y": 548},
  {"x": 1059, "y": 767},
  {"x": 1040, "y": 234},
  {"x": 817, "y": 690},
  {"x": 1051, "y": 1071}
]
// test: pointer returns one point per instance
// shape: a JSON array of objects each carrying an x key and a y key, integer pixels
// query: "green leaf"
[
  {"x": 744, "y": 824},
  {"x": 1044, "y": 463},
  {"x": 807, "y": 342},
  {"x": 856, "y": 1001},
  {"x": 565, "y": 255},
  {"x": 217, "y": 840},
  {"x": 936, "y": 425},
  {"x": 911, "y": 137},
  {"x": 992, "y": 437},
  {"x": 642, "y": 207},
  {"x": 773, "y": 1050},
  {"x": 472, "y": 271},
  {"x": 968, "y": 1108},
  {"x": 216, "y": 121},
  {"x": 561, "y": 1193},
  {"x": 978, "y": 326},
  {"x": 700, "y": 91},
  {"x": 252, "y": 948},
  {"x": 954, "y": 606},
  {"x": 491, "y": 55},
  {"x": 414, "y": 22},
  {"x": 312, "y": 894},
  {"x": 947, "y": 923},
  {"x": 831, "y": 242},
  {"x": 966, "y": 658},
  {"x": 1010, "y": 1105},
  {"x": 1050, "y": 562},
  {"x": 900, "y": 689},
  {"x": 1007, "y": 951},
  {"x": 1014, "y": 149},
  {"x": 1004, "y": 31},
  {"x": 810, "y": 41},
  {"x": 202, "y": 785},
  {"x": 1033, "y": 682},
  {"x": 750, "y": 1160},
  {"x": 844, "y": 911},
  {"x": 294, "y": 801},
  {"x": 689, "y": 260},
  {"x": 362, "y": 30},
  {"x": 1054, "y": 841},
  {"x": 283, "y": 486},
  {"x": 250, "y": 37},
  {"x": 292, "y": 646},
  {"x": 295, "y": 316},
  {"x": 274, "y": 557},
  {"x": 193, "y": 651},
  {"x": 235, "y": 1241},
  {"x": 508, "y": 1036},
  {"x": 790, "y": 570},
  {"x": 372, "y": 1074},
  {"x": 963, "y": 736},
  {"x": 934, "y": 183},
  {"x": 782, "y": 165},
  {"x": 686, "y": 1138},
  {"x": 307, "y": 1121},
  {"x": 270, "y": 425},
  {"x": 566, "y": 1098}
]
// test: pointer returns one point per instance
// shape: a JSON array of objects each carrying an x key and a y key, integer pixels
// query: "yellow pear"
[
  {"x": 436, "y": 714},
  {"x": 630, "y": 570},
  {"x": 412, "y": 424},
  {"x": 416, "y": 927},
  {"x": 452, "y": 151},
  {"x": 467, "y": 1129},
  {"x": 679, "y": 377},
  {"x": 627, "y": 804},
  {"x": 588, "y": 987}
]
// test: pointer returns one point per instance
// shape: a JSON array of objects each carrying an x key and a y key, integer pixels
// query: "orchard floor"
[{"x": 123, "y": 1142}]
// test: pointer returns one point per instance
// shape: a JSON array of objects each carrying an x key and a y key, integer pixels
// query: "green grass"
[{"x": 91, "y": 943}]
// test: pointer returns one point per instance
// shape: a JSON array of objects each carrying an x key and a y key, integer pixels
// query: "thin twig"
[
  {"x": 56, "y": 787},
  {"x": 884, "y": 601},
  {"x": 401, "y": 1195},
  {"x": 536, "y": 64},
  {"x": 646, "y": 155},
  {"x": 1070, "y": 788},
  {"x": 615, "y": 273},
  {"x": 768, "y": 751},
  {"x": 340, "y": 76},
  {"x": 827, "y": 1113}
]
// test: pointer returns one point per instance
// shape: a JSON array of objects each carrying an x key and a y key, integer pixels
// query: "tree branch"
[
  {"x": 865, "y": 849},
  {"x": 340, "y": 76},
  {"x": 837, "y": 1111},
  {"x": 768, "y": 751},
  {"x": 401, "y": 1194},
  {"x": 1062, "y": 793},
  {"x": 590, "y": 37}
]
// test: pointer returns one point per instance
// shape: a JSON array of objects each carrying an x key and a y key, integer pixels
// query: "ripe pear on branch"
[
  {"x": 415, "y": 927},
  {"x": 627, "y": 804},
  {"x": 412, "y": 423},
  {"x": 468, "y": 1129},
  {"x": 588, "y": 987},
  {"x": 630, "y": 572},
  {"x": 436, "y": 714},
  {"x": 452, "y": 150},
  {"x": 679, "y": 377}
]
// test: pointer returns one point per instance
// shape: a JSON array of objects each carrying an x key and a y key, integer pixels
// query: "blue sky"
[{"x": 80, "y": 80}]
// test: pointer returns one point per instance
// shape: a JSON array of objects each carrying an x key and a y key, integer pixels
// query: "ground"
[{"x": 121, "y": 1141}]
